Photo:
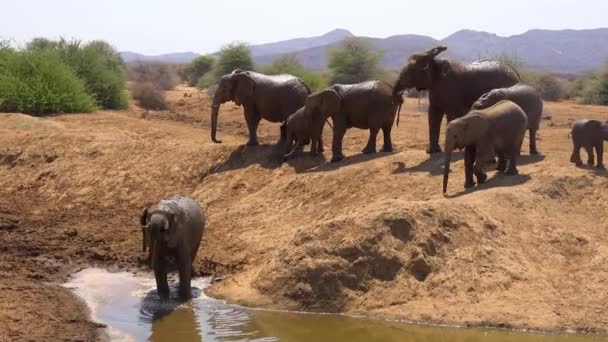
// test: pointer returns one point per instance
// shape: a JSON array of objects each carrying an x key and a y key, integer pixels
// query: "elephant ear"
[
  {"x": 245, "y": 86},
  {"x": 143, "y": 219},
  {"x": 439, "y": 69},
  {"x": 329, "y": 102},
  {"x": 475, "y": 127}
]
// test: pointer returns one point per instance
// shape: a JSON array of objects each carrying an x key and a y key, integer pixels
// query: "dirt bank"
[{"x": 369, "y": 235}]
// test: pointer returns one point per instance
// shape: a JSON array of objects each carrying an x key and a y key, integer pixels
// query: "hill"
[
  {"x": 174, "y": 58},
  {"x": 562, "y": 51}
]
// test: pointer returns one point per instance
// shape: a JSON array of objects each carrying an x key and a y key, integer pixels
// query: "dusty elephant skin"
[
  {"x": 484, "y": 133},
  {"x": 526, "y": 97},
  {"x": 452, "y": 86},
  {"x": 366, "y": 105},
  {"x": 272, "y": 98},
  {"x": 590, "y": 135},
  {"x": 173, "y": 227}
]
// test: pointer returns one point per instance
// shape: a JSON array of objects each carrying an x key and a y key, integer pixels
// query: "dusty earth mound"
[{"x": 369, "y": 235}]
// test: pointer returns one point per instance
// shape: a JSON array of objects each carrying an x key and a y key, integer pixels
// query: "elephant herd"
[{"x": 487, "y": 108}]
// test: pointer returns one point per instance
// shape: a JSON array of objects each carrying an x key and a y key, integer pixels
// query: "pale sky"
[{"x": 155, "y": 26}]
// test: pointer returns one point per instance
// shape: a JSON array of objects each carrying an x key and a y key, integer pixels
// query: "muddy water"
[{"x": 128, "y": 304}]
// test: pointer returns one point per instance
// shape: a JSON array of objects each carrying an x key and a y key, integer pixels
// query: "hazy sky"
[{"x": 155, "y": 26}]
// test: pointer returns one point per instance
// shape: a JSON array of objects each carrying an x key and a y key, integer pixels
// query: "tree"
[
  {"x": 549, "y": 87},
  {"x": 289, "y": 64},
  {"x": 354, "y": 62},
  {"x": 233, "y": 56},
  {"x": 196, "y": 69}
]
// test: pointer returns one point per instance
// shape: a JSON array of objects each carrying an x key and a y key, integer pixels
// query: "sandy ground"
[{"x": 370, "y": 235}]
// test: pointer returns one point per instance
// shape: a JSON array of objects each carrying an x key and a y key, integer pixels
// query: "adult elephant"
[
  {"x": 173, "y": 227},
  {"x": 367, "y": 105},
  {"x": 272, "y": 98},
  {"x": 452, "y": 86}
]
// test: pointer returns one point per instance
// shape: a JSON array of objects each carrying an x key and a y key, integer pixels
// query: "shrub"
[
  {"x": 289, "y": 64},
  {"x": 149, "y": 95},
  {"x": 233, "y": 56},
  {"x": 162, "y": 74},
  {"x": 206, "y": 81},
  {"x": 549, "y": 86},
  {"x": 354, "y": 62},
  {"x": 593, "y": 89},
  {"x": 101, "y": 69},
  {"x": 39, "y": 82},
  {"x": 194, "y": 71}
]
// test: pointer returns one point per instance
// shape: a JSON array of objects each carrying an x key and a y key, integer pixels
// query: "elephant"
[
  {"x": 173, "y": 227},
  {"x": 589, "y": 134},
  {"x": 367, "y": 105},
  {"x": 263, "y": 97},
  {"x": 484, "y": 133},
  {"x": 525, "y": 96},
  {"x": 452, "y": 86},
  {"x": 301, "y": 128}
]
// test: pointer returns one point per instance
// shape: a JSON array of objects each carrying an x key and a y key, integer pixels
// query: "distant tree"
[
  {"x": 41, "y": 43},
  {"x": 549, "y": 87},
  {"x": 289, "y": 64},
  {"x": 193, "y": 71},
  {"x": 353, "y": 62},
  {"x": 233, "y": 56}
]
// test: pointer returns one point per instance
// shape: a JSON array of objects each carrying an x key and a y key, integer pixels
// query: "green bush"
[
  {"x": 593, "y": 89},
  {"x": 99, "y": 66},
  {"x": 206, "y": 81},
  {"x": 289, "y": 64},
  {"x": 194, "y": 71},
  {"x": 233, "y": 56},
  {"x": 39, "y": 82},
  {"x": 354, "y": 62}
]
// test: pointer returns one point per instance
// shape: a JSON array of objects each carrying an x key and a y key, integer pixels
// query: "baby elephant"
[
  {"x": 301, "y": 127},
  {"x": 525, "y": 97},
  {"x": 589, "y": 134},
  {"x": 173, "y": 227},
  {"x": 497, "y": 130}
]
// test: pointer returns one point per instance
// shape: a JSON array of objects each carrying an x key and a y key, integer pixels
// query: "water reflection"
[{"x": 131, "y": 308}]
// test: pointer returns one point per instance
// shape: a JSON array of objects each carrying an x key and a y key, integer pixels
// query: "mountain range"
[{"x": 559, "y": 51}]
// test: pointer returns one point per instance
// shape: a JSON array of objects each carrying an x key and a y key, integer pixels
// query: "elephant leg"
[
  {"x": 576, "y": 155},
  {"x": 512, "y": 156},
  {"x": 252, "y": 125},
  {"x": 435, "y": 117},
  {"x": 502, "y": 163},
  {"x": 160, "y": 272},
  {"x": 599, "y": 149},
  {"x": 371, "y": 143},
  {"x": 590, "y": 157},
  {"x": 282, "y": 136},
  {"x": 314, "y": 150},
  {"x": 336, "y": 147},
  {"x": 320, "y": 147},
  {"x": 296, "y": 147},
  {"x": 469, "y": 160},
  {"x": 533, "y": 150},
  {"x": 386, "y": 134},
  {"x": 184, "y": 261}
]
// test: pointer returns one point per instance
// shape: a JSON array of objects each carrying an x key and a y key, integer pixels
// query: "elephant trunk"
[
  {"x": 446, "y": 167},
  {"x": 215, "y": 109}
]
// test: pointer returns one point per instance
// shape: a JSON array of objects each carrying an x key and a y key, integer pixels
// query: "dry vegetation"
[{"x": 369, "y": 235}]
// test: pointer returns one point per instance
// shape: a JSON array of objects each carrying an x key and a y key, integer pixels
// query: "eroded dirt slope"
[{"x": 370, "y": 235}]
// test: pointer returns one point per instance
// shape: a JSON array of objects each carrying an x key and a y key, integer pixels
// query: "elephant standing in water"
[
  {"x": 263, "y": 97},
  {"x": 173, "y": 227},
  {"x": 452, "y": 86},
  {"x": 366, "y": 105},
  {"x": 499, "y": 129},
  {"x": 524, "y": 96}
]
